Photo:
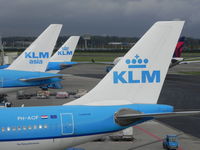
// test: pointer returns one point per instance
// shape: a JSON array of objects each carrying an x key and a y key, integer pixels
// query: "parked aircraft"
[
  {"x": 176, "y": 59},
  {"x": 29, "y": 68},
  {"x": 125, "y": 97},
  {"x": 62, "y": 58}
]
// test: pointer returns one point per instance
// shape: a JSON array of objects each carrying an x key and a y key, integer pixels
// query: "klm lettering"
[
  {"x": 36, "y": 55},
  {"x": 128, "y": 77},
  {"x": 65, "y": 53}
]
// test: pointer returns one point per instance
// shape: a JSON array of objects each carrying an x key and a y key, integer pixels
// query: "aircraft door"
[{"x": 67, "y": 124}]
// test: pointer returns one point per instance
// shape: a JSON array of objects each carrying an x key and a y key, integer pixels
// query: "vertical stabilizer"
[
  {"x": 66, "y": 51},
  {"x": 179, "y": 47},
  {"x": 138, "y": 77},
  {"x": 36, "y": 56}
]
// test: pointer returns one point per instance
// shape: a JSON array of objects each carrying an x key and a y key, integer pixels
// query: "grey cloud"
[{"x": 110, "y": 17}]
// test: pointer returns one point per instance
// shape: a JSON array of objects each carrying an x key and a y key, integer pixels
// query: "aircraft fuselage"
[{"x": 60, "y": 127}]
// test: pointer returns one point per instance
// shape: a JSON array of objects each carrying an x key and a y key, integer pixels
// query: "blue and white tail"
[
  {"x": 139, "y": 75},
  {"x": 66, "y": 51},
  {"x": 36, "y": 56}
]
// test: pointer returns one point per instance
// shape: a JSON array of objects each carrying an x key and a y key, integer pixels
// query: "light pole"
[
  {"x": 86, "y": 37},
  {"x": 2, "y": 51}
]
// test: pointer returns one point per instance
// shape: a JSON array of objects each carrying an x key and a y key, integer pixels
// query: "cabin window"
[
  {"x": 19, "y": 128},
  {"x": 35, "y": 127},
  {"x": 24, "y": 127},
  {"x": 29, "y": 127},
  {"x": 2, "y": 129},
  {"x": 40, "y": 126},
  {"x": 8, "y": 128},
  {"x": 14, "y": 128}
]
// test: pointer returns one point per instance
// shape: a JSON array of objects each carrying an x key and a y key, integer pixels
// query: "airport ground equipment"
[
  {"x": 124, "y": 135},
  {"x": 80, "y": 92},
  {"x": 43, "y": 94},
  {"x": 62, "y": 95},
  {"x": 4, "y": 101},
  {"x": 170, "y": 142},
  {"x": 22, "y": 95}
]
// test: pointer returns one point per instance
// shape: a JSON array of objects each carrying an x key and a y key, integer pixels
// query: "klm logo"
[
  {"x": 145, "y": 76},
  {"x": 36, "y": 58},
  {"x": 65, "y": 51},
  {"x": 36, "y": 55}
]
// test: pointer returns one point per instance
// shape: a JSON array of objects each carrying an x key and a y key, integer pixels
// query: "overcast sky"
[{"x": 100, "y": 17}]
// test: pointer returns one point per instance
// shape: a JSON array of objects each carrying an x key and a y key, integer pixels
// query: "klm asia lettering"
[
  {"x": 143, "y": 76},
  {"x": 36, "y": 58},
  {"x": 65, "y": 51}
]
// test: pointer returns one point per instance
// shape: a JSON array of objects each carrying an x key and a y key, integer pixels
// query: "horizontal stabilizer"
[
  {"x": 129, "y": 118},
  {"x": 158, "y": 115},
  {"x": 40, "y": 78},
  {"x": 98, "y": 62},
  {"x": 189, "y": 62},
  {"x": 53, "y": 71},
  {"x": 66, "y": 65}
]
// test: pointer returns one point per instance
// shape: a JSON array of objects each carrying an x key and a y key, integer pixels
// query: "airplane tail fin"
[
  {"x": 179, "y": 47},
  {"x": 66, "y": 51},
  {"x": 36, "y": 56},
  {"x": 138, "y": 77}
]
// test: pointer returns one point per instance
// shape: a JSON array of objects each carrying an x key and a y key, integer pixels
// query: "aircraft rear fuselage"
[
  {"x": 35, "y": 123},
  {"x": 59, "y": 65},
  {"x": 10, "y": 80}
]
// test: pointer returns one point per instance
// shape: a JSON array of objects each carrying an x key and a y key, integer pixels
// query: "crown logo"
[
  {"x": 65, "y": 48},
  {"x": 137, "y": 62}
]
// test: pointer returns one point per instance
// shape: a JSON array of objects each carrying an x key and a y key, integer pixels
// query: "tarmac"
[
  {"x": 180, "y": 90},
  {"x": 148, "y": 136}
]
